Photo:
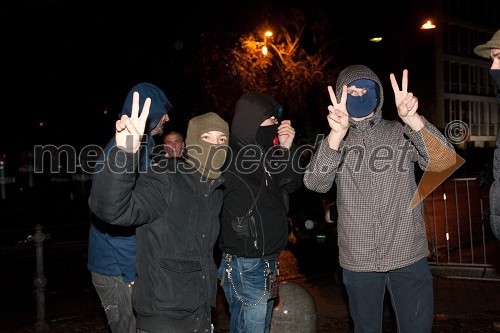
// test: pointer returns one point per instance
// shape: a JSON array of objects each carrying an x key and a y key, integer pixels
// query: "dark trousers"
[
  {"x": 116, "y": 299},
  {"x": 410, "y": 289}
]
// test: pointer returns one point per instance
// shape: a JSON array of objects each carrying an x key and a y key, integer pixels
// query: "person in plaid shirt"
[{"x": 381, "y": 234}]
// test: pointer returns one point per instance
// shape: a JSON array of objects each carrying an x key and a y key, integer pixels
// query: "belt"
[{"x": 271, "y": 257}]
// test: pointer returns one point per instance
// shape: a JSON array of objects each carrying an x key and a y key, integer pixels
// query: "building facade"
[{"x": 464, "y": 90}]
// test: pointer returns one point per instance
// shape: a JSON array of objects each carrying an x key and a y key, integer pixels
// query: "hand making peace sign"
[
  {"x": 338, "y": 118},
  {"x": 129, "y": 130},
  {"x": 406, "y": 103}
]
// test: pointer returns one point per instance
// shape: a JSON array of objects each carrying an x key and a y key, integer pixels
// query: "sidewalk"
[{"x": 461, "y": 305}]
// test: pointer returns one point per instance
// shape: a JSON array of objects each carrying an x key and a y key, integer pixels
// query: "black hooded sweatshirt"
[{"x": 257, "y": 184}]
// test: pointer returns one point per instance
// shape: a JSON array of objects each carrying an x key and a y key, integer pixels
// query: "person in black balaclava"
[
  {"x": 258, "y": 177},
  {"x": 491, "y": 50},
  {"x": 381, "y": 232},
  {"x": 175, "y": 206}
]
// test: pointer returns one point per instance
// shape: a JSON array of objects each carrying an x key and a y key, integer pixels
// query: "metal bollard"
[
  {"x": 4, "y": 179},
  {"x": 40, "y": 281},
  {"x": 3, "y": 192},
  {"x": 295, "y": 310},
  {"x": 26, "y": 169}
]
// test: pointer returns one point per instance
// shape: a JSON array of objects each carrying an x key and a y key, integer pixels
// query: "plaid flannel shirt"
[{"x": 375, "y": 178}]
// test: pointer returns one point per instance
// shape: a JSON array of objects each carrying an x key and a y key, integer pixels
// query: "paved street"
[
  {"x": 461, "y": 305},
  {"x": 71, "y": 304}
]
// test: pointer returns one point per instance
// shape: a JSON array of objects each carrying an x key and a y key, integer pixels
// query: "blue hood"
[
  {"x": 159, "y": 107},
  {"x": 159, "y": 103}
]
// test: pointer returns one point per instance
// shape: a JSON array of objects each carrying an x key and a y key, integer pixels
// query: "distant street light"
[{"x": 427, "y": 25}]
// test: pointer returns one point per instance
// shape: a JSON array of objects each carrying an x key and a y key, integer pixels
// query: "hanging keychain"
[{"x": 272, "y": 283}]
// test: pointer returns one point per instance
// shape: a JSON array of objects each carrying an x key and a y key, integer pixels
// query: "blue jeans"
[
  {"x": 246, "y": 294},
  {"x": 410, "y": 289},
  {"x": 116, "y": 299}
]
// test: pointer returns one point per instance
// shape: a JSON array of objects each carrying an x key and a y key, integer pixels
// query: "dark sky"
[
  {"x": 66, "y": 60},
  {"x": 62, "y": 57}
]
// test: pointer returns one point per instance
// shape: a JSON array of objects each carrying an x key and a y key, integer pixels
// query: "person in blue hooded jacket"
[
  {"x": 175, "y": 206},
  {"x": 112, "y": 249}
]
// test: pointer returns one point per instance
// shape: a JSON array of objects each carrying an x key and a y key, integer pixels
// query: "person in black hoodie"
[
  {"x": 261, "y": 171},
  {"x": 176, "y": 206}
]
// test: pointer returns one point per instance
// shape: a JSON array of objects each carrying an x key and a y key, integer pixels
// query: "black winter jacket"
[
  {"x": 178, "y": 217},
  {"x": 252, "y": 174}
]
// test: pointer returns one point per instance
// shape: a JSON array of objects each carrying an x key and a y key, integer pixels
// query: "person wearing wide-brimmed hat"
[
  {"x": 491, "y": 50},
  {"x": 484, "y": 50}
]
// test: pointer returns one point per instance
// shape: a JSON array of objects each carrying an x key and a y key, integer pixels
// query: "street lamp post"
[
  {"x": 267, "y": 34},
  {"x": 265, "y": 50}
]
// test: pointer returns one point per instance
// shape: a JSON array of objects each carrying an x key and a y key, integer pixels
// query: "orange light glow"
[{"x": 427, "y": 25}]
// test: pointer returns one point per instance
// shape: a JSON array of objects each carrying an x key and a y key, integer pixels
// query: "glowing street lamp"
[
  {"x": 267, "y": 34},
  {"x": 428, "y": 25},
  {"x": 265, "y": 50}
]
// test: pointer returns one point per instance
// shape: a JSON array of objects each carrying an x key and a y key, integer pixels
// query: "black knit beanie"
[{"x": 207, "y": 158}]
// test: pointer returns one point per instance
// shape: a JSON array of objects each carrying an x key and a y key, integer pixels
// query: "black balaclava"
[
  {"x": 266, "y": 136},
  {"x": 251, "y": 110},
  {"x": 495, "y": 75},
  {"x": 206, "y": 157}
]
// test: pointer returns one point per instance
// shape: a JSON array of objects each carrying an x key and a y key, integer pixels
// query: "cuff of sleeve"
[
  {"x": 407, "y": 129},
  {"x": 331, "y": 155},
  {"x": 417, "y": 137}
]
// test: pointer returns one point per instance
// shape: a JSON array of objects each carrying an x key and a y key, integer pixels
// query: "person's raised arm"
[{"x": 117, "y": 196}]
